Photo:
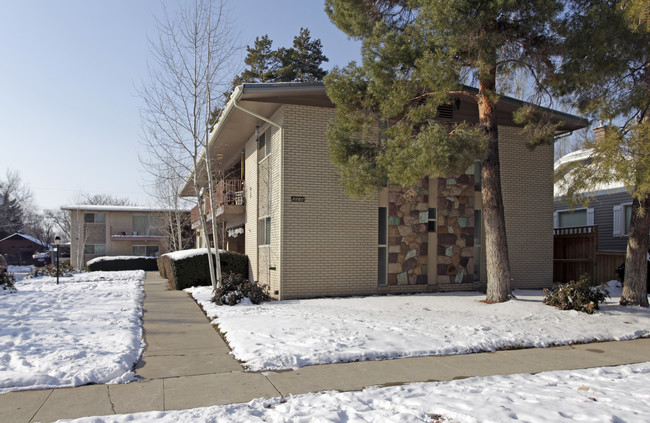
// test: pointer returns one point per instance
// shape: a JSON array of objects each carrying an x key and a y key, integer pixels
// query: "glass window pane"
[
  {"x": 431, "y": 226},
  {"x": 138, "y": 250},
  {"x": 477, "y": 227},
  {"x": 140, "y": 224},
  {"x": 477, "y": 263},
  {"x": 477, "y": 176},
  {"x": 100, "y": 218},
  {"x": 628, "y": 218},
  {"x": 89, "y": 249},
  {"x": 152, "y": 250},
  {"x": 432, "y": 213},
  {"x": 268, "y": 230},
  {"x": 382, "y": 266},
  {"x": 89, "y": 217},
  {"x": 100, "y": 249},
  {"x": 570, "y": 219},
  {"x": 383, "y": 226}
]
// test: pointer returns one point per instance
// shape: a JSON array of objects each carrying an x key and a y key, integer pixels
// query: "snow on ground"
[
  {"x": 116, "y": 258},
  {"x": 613, "y": 394},
  {"x": 292, "y": 334},
  {"x": 87, "y": 329},
  {"x": 20, "y": 272}
]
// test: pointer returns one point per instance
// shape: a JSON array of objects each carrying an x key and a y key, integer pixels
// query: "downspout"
[{"x": 275, "y": 124}]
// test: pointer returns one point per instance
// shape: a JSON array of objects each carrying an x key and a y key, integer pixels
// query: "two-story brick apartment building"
[
  {"x": 114, "y": 231},
  {"x": 305, "y": 237}
]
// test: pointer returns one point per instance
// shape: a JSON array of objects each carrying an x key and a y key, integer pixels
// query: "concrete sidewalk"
[{"x": 186, "y": 364}]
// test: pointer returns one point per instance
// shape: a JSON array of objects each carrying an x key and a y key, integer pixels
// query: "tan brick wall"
[
  {"x": 526, "y": 178},
  {"x": 329, "y": 241},
  {"x": 250, "y": 235},
  {"x": 262, "y": 199},
  {"x": 100, "y": 233}
]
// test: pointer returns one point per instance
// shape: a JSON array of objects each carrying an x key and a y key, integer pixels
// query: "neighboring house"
[
  {"x": 19, "y": 248},
  {"x": 608, "y": 210},
  {"x": 115, "y": 231},
  {"x": 305, "y": 237}
]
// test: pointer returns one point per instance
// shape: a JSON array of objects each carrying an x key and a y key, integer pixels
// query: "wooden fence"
[
  {"x": 575, "y": 252},
  {"x": 606, "y": 265}
]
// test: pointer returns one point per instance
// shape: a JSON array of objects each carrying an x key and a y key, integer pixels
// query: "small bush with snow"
[
  {"x": 234, "y": 288},
  {"x": 7, "y": 283},
  {"x": 65, "y": 269},
  {"x": 578, "y": 295}
]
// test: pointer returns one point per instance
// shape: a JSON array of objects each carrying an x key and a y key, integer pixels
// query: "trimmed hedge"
[
  {"x": 140, "y": 263},
  {"x": 161, "y": 266},
  {"x": 194, "y": 271}
]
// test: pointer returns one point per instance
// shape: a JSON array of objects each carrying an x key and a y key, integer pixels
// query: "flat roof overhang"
[{"x": 236, "y": 126}]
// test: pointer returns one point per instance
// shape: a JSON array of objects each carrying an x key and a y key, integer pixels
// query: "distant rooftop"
[{"x": 93, "y": 207}]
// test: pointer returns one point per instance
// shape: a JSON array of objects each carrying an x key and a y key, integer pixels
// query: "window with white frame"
[
  {"x": 264, "y": 231},
  {"x": 572, "y": 218},
  {"x": 622, "y": 218},
  {"x": 263, "y": 146},
  {"x": 145, "y": 250}
]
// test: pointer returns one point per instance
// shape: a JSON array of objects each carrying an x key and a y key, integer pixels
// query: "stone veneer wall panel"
[
  {"x": 329, "y": 241},
  {"x": 408, "y": 248}
]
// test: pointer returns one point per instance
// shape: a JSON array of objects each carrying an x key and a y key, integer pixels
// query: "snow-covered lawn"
[
  {"x": 292, "y": 334},
  {"x": 616, "y": 394},
  {"x": 87, "y": 329}
]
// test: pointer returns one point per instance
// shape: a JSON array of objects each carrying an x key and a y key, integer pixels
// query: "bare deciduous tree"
[
  {"x": 15, "y": 198},
  {"x": 192, "y": 57}
]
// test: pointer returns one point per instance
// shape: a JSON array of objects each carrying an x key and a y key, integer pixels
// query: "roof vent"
[{"x": 445, "y": 111}]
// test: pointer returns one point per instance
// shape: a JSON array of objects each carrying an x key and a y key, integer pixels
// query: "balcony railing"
[
  {"x": 229, "y": 192},
  {"x": 124, "y": 233}
]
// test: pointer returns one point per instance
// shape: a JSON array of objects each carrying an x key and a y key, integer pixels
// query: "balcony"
[
  {"x": 129, "y": 234},
  {"x": 228, "y": 198},
  {"x": 229, "y": 192}
]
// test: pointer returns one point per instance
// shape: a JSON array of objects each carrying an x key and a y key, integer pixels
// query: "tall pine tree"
[
  {"x": 299, "y": 63},
  {"x": 415, "y": 54}
]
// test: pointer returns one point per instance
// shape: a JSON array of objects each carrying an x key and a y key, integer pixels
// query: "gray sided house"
[
  {"x": 280, "y": 202},
  {"x": 607, "y": 213}
]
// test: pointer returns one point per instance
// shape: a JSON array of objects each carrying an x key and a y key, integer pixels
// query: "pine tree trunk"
[
  {"x": 496, "y": 244},
  {"x": 635, "y": 290}
]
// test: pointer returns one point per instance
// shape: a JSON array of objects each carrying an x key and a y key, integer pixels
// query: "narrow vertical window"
[
  {"x": 431, "y": 222},
  {"x": 264, "y": 231},
  {"x": 382, "y": 249},
  {"x": 477, "y": 176},
  {"x": 477, "y": 245}
]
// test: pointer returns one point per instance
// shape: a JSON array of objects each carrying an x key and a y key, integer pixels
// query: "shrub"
[
  {"x": 65, "y": 269},
  {"x": 234, "y": 288},
  {"x": 161, "y": 265},
  {"x": 7, "y": 283},
  {"x": 194, "y": 271},
  {"x": 123, "y": 263},
  {"x": 578, "y": 295}
]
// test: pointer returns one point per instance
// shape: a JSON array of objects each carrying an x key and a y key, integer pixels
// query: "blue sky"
[{"x": 69, "y": 73}]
